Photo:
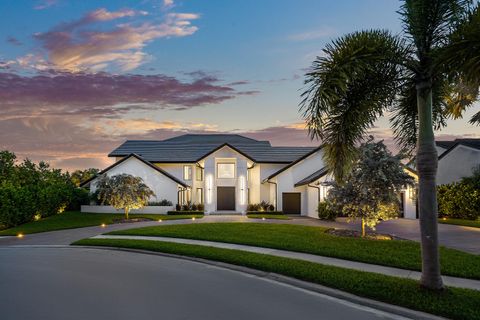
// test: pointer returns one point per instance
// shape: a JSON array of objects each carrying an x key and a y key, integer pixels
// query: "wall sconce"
[
  {"x": 243, "y": 187},
  {"x": 412, "y": 192},
  {"x": 209, "y": 186}
]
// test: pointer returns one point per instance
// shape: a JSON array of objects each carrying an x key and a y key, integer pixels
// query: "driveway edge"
[{"x": 309, "y": 286}]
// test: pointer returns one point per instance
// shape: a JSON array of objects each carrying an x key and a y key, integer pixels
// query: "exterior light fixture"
[
  {"x": 263, "y": 218},
  {"x": 20, "y": 235},
  {"x": 243, "y": 187},
  {"x": 193, "y": 218},
  {"x": 159, "y": 220},
  {"x": 209, "y": 186},
  {"x": 103, "y": 225}
]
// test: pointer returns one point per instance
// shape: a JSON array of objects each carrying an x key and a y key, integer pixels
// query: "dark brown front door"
[
  {"x": 291, "y": 202},
  {"x": 225, "y": 198}
]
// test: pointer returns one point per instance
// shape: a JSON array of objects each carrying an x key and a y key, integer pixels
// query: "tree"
[
  {"x": 79, "y": 176},
  {"x": 123, "y": 191},
  {"x": 421, "y": 79},
  {"x": 372, "y": 186}
]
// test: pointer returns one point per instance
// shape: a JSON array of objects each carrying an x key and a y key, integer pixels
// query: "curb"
[{"x": 309, "y": 286}]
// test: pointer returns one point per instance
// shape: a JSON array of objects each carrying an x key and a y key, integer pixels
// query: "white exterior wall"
[
  {"x": 458, "y": 163},
  {"x": 226, "y": 155},
  {"x": 162, "y": 186}
]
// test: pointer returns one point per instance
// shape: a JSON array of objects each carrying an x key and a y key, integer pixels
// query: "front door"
[
  {"x": 291, "y": 202},
  {"x": 225, "y": 198}
]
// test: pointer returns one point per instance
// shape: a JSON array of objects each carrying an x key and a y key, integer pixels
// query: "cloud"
[
  {"x": 45, "y": 4},
  {"x": 104, "y": 94},
  {"x": 287, "y": 135},
  {"x": 75, "y": 46},
  {"x": 313, "y": 34},
  {"x": 14, "y": 41},
  {"x": 167, "y": 4}
]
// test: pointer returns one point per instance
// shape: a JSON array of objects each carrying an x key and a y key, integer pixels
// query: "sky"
[{"x": 77, "y": 78}]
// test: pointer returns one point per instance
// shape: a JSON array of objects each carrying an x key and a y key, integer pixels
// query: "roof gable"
[{"x": 132, "y": 155}]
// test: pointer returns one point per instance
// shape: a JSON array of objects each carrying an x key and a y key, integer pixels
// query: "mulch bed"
[
  {"x": 358, "y": 234},
  {"x": 123, "y": 220}
]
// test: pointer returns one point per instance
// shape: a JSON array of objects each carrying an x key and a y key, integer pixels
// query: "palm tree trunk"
[{"x": 427, "y": 163}]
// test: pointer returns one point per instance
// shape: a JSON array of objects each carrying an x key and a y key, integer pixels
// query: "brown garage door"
[
  {"x": 226, "y": 198},
  {"x": 291, "y": 202}
]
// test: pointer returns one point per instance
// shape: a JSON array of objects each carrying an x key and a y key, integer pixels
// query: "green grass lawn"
[
  {"x": 395, "y": 253},
  {"x": 268, "y": 216},
  {"x": 461, "y": 222},
  {"x": 75, "y": 219},
  {"x": 453, "y": 303}
]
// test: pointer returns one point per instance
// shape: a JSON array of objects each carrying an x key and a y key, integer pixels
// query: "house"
[
  {"x": 226, "y": 172},
  {"x": 457, "y": 159}
]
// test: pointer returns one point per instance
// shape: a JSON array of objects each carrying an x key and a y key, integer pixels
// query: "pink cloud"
[
  {"x": 45, "y": 4},
  {"x": 75, "y": 46}
]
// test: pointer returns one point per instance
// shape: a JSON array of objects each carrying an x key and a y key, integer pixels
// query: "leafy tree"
[
  {"x": 372, "y": 187},
  {"x": 79, "y": 176},
  {"x": 123, "y": 191},
  {"x": 429, "y": 73}
]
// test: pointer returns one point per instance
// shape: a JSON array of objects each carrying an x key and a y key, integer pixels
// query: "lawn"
[
  {"x": 395, "y": 253},
  {"x": 461, "y": 222},
  {"x": 75, "y": 219},
  {"x": 268, "y": 216},
  {"x": 453, "y": 303}
]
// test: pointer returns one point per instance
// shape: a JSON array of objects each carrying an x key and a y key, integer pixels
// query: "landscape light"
[
  {"x": 193, "y": 218},
  {"x": 20, "y": 235},
  {"x": 103, "y": 225},
  {"x": 263, "y": 218},
  {"x": 159, "y": 220}
]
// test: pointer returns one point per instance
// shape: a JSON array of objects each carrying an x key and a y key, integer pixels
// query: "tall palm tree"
[{"x": 419, "y": 78}]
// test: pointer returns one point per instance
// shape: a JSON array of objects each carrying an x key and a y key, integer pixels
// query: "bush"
[
  {"x": 162, "y": 203},
  {"x": 194, "y": 207},
  {"x": 173, "y": 213},
  {"x": 325, "y": 212},
  {"x": 178, "y": 207},
  {"x": 261, "y": 207},
  {"x": 200, "y": 207},
  {"x": 459, "y": 200},
  {"x": 80, "y": 196}
]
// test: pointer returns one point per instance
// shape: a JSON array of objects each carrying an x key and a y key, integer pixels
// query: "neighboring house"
[
  {"x": 226, "y": 172},
  {"x": 457, "y": 159}
]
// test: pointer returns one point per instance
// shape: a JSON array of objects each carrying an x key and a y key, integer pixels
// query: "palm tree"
[{"x": 420, "y": 78}]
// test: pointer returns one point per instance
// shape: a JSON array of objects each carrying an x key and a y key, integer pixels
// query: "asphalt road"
[{"x": 80, "y": 283}]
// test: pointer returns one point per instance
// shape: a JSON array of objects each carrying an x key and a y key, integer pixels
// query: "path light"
[
  {"x": 159, "y": 220},
  {"x": 263, "y": 218},
  {"x": 20, "y": 235},
  {"x": 103, "y": 225},
  {"x": 193, "y": 218}
]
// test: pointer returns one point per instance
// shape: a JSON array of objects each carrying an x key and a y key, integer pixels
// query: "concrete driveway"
[
  {"x": 457, "y": 237},
  {"x": 79, "y": 283}
]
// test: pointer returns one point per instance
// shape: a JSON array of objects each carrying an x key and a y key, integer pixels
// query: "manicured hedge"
[
  {"x": 184, "y": 212},
  {"x": 459, "y": 200},
  {"x": 265, "y": 212}
]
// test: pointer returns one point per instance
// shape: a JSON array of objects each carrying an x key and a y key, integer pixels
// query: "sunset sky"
[{"x": 77, "y": 78}]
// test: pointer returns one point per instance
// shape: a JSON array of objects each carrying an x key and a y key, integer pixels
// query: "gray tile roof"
[
  {"x": 314, "y": 176},
  {"x": 193, "y": 147}
]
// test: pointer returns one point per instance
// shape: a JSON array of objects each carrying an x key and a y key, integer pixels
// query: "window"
[
  {"x": 199, "y": 173},
  {"x": 199, "y": 195},
  {"x": 225, "y": 170},
  {"x": 187, "y": 172}
]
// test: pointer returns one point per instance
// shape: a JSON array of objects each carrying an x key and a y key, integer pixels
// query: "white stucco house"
[
  {"x": 226, "y": 172},
  {"x": 457, "y": 159}
]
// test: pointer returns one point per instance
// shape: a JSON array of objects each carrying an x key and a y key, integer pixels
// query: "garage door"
[
  {"x": 291, "y": 202},
  {"x": 226, "y": 198}
]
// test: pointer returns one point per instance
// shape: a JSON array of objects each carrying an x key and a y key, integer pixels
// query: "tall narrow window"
[
  {"x": 199, "y": 195},
  {"x": 199, "y": 173},
  {"x": 187, "y": 172},
  {"x": 225, "y": 170}
]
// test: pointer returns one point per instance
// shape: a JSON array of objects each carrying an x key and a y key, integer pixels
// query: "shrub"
[
  {"x": 200, "y": 207},
  {"x": 194, "y": 207},
  {"x": 261, "y": 207},
  {"x": 459, "y": 200},
  {"x": 162, "y": 203},
  {"x": 325, "y": 212},
  {"x": 80, "y": 196},
  {"x": 178, "y": 207}
]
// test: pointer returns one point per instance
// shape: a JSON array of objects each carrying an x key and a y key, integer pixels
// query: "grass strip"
[
  {"x": 393, "y": 253},
  {"x": 76, "y": 219},
  {"x": 268, "y": 216},
  {"x": 453, "y": 303},
  {"x": 461, "y": 222}
]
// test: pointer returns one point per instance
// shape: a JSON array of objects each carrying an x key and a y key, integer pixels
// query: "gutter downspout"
[
  {"x": 318, "y": 190},
  {"x": 276, "y": 193}
]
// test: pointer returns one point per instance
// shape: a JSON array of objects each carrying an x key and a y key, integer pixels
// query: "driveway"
[
  {"x": 80, "y": 283},
  {"x": 457, "y": 237}
]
